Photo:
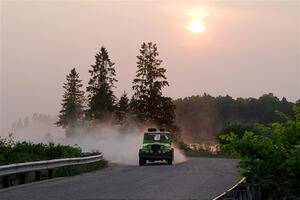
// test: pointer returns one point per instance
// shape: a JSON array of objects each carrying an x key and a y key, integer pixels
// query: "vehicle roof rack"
[
  {"x": 152, "y": 129},
  {"x": 162, "y": 130}
]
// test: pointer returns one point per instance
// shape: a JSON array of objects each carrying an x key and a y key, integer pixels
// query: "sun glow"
[{"x": 196, "y": 24}]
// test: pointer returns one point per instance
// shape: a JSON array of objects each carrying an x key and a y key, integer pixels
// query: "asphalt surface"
[{"x": 197, "y": 178}]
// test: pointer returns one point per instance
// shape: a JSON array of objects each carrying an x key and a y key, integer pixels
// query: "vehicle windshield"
[{"x": 155, "y": 137}]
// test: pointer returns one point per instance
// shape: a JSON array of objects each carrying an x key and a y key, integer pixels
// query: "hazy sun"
[{"x": 196, "y": 24}]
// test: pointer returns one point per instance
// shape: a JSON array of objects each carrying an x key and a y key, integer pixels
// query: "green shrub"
[
  {"x": 237, "y": 129},
  {"x": 16, "y": 152},
  {"x": 273, "y": 161}
]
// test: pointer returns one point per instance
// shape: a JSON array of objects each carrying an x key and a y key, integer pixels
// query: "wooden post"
[
  {"x": 23, "y": 178},
  {"x": 37, "y": 175},
  {"x": 5, "y": 181},
  {"x": 50, "y": 173}
]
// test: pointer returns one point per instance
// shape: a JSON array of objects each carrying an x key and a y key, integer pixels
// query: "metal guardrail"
[
  {"x": 221, "y": 196},
  {"x": 37, "y": 166},
  {"x": 241, "y": 191}
]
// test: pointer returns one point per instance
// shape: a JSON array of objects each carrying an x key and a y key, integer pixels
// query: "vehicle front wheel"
[
  {"x": 170, "y": 161},
  {"x": 142, "y": 162}
]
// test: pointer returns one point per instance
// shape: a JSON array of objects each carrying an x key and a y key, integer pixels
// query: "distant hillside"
[{"x": 201, "y": 117}]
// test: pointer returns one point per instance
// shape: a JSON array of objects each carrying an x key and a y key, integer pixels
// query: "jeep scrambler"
[{"x": 156, "y": 146}]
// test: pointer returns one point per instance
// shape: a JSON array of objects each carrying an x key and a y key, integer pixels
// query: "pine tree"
[
  {"x": 148, "y": 103},
  {"x": 122, "y": 109},
  {"x": 20, "y": 124},
  {"x": 101, "y": 99},
  {"x": 26, "y": 121},
  {"x": 72, "y": 111}
]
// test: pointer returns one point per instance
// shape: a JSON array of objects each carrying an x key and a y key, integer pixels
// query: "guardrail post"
[
  {"x": 50, "y": 173},
  {"x": 5, "y": 181},
  {"x": 37, "y": 175},
  {"x": 23, "y": 178}
]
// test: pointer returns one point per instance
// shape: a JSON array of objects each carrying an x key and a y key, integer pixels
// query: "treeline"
[
  {"x": 100, "y": 105},
  {"x": 36, "y": 118},
  {"x": 202, "y": 117}
]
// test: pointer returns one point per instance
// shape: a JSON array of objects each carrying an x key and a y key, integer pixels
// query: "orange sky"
[{"x": 247, "y": 48}]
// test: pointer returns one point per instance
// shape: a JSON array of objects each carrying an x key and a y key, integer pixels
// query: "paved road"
[{"x": 197, "y": 178}]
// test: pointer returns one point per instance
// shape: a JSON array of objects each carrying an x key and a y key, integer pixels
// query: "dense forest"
[{"x": 200, "y": 118}]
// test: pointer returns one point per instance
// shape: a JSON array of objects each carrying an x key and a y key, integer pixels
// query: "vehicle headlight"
[
  {"x": 167, "y": 150},
  {"x": 146, "y": 147}
]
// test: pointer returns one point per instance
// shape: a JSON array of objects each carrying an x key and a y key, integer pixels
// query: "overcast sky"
[{"x": 247, "y": 49}]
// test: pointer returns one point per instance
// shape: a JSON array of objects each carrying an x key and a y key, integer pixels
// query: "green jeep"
[{"x": 156, "y": 146}]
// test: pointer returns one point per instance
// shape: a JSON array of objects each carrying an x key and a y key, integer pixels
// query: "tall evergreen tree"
[
  {"x": 101, "y": 99},
  {"x": 72, "y": 111},
  {"x": 122, "y": 109},
  {"x": 148, "y": 103}
]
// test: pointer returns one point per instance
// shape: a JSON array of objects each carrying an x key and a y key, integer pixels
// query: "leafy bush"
[
  {"x": 273, "y": 161},
  {"x": 16, "y": 152},
  {"x": 237, "y": 129}
]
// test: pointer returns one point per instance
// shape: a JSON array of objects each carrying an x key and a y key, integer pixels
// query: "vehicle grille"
[{"x": 155, "y": 148}]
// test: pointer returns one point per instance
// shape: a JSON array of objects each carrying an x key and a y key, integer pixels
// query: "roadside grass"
[{"x": 58, "y": 172}]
